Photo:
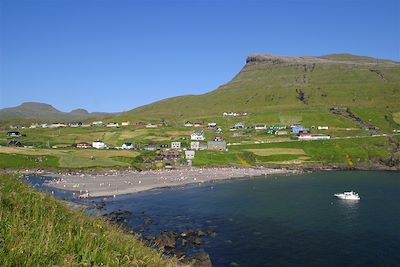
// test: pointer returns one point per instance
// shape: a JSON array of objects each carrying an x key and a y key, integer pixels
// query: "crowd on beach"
[{"x": 112, "y": 183}]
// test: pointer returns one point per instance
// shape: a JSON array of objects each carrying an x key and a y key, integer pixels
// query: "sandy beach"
[{"x": 115, "y": 183}]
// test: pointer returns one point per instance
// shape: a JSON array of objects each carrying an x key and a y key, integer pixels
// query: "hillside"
[
  {"x": 269, "y": 83},
  {"x": 46, "y": 112}
]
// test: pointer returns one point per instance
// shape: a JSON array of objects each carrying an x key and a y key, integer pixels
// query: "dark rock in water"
[
  {"x": 198, "y": 241},
  {"x": 118, "y": 216},
  {"x": 100, "y": 206},
  {"x": 148, "y": 221},
  {"x": 141, "y": 229},
  {"x": 201, "y": 259},
  {"x": 166, "y": 241},
  {"x": 184, "y": 242},
  {"x": 201, "y": 233},
  {"x": 150, "y": 238}
]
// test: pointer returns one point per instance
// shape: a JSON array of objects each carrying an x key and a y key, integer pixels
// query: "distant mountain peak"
[
  {"x": 46, "y": 112},
  {"x": 80, "y": 111}
]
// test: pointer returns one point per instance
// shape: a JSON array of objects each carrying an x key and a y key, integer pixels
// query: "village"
[{"x": 182, "y": 149}]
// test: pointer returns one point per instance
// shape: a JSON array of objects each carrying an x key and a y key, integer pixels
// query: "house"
[
  {"x": 128, "y": 146},
  {"x": 164, "y": 146},
  {"x": 85, "y": 124},
  {"x": 197, "y": 136},
  {"x": 14, "y": 134},
  {"x": 175, "y": 145},
  {"x": 216, "y": 145},
  {"x": 260, "y": 127},
  {"x": 219, "y": 138},
  {"x": 138, "y": 123},
  {"x": 189, "y": 154},
  {"x": 44, "y": 125},
  {"x": 125, "y": 123},
  {"x": 168, "y": 155},
  {"x": 297, "y": 128},
  {"x": 34, "y": 126},
  {"x": 151, "y": 125},
  {"x": 188, "y": 124},
  {"x": 14, "y": 143},
  {"x": 150, "y": 147},
  {"x": 75, "y": 124},
  {"x": 281, "y": 132},
  {"x": 212, "y": 125},
  {"x": 308, "y": 136},
  {"x": 83, "y": 145},
  {"x": 198, "y": 124},
  {"x": 195, "y": 145},
  {"x": 323, "y": 128},
  {"x": 113, "y": 125},
  {"x": 57, "y": 125},
  {"x": 97, "y": 123},
  {"x": 239, "y": 125},
  {"x": 272, "y": 129},
  {"x": 218, "y": 130},
  {"x": 99, "y": 144}
]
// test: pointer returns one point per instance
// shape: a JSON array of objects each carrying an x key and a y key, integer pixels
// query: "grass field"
[
  {"x": 63, "y": 158},
  {"x": 37, "y": 230}
]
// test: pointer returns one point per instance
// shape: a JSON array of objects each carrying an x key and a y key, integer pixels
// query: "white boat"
[{"x": 348, "y": 195}]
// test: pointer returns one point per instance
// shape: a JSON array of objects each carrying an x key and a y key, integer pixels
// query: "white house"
[
  {"x": 188, "y": 124},
  {"x": 150, "y": 125},
  {"x": 128, "y": 146},
  {"x": 189, "y": 154},
  {"x": 175, "y": 145},
  {"x": 197, "y": 136},
  {"x": 97, "y": 123},
  {"x": 58, "y": 124},
  {"x": 113, "y": 125},
  {"x": 212, "y": 124},
  {"x": 99, "y": 144},
  {"x": 195, "y": 145},
  {"x": 125, "y": 123},
  {"x": 323, "y": 127},
  {"x": 260, "y": 127},
  {"x": 239, "y": 125}
]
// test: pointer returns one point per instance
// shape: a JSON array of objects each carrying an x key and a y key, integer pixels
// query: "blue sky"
[{"x": 116, "y": 55}]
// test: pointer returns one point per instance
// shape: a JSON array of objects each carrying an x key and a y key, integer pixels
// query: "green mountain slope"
[
  {"x": 278, "y": 83},
  {"x": 46, "y": 112}
]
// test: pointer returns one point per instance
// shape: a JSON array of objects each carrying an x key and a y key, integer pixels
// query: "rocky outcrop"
[{"x": 201, "y": 259}]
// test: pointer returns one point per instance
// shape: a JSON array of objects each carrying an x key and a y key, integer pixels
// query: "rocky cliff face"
[{"x": 328, "y": 59}]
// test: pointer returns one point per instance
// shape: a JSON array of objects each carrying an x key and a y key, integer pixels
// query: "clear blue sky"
[{"x": 116, "y": 55}]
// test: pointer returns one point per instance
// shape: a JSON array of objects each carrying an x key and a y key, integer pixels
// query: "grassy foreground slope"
[
  {"x": 291, "y": 84},
  {"x": 37, "y": 230}
]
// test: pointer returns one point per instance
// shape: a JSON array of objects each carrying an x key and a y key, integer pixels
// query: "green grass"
[
  {"x": 363, "y": 150},
  {"x": 37, "y": 230},
  {"x": 17, "y": 161}
]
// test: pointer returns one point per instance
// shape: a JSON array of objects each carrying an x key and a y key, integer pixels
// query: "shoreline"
[
  {"x": 95, "y": 183},
  {"x": 115, "y": 183}
]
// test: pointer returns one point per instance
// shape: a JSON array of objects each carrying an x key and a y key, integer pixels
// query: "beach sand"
[{"x": 113, "y": 183}]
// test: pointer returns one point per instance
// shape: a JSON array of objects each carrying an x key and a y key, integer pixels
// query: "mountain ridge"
[
  {"x": 274, "y": 83},
  {"x": 46, "y": 112}
]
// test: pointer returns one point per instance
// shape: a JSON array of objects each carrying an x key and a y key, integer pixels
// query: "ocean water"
[{"x": 280, "y": 220}]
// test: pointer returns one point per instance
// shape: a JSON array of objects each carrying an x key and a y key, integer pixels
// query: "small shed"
[{"x": 189, "y": 154}]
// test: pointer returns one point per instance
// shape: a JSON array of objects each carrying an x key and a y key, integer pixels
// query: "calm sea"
[{"x": 281, "y": 220}]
